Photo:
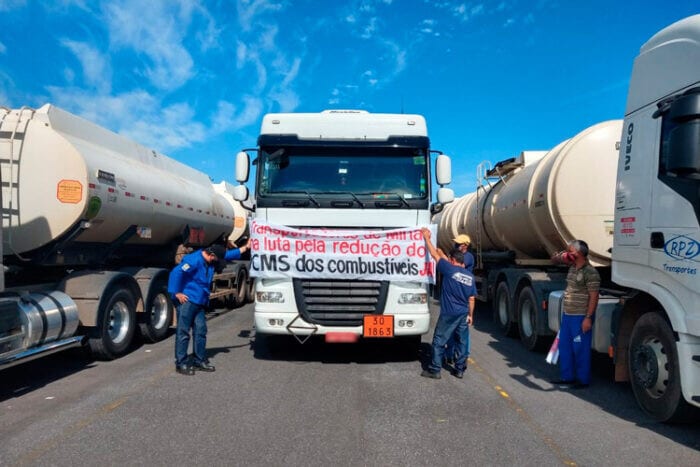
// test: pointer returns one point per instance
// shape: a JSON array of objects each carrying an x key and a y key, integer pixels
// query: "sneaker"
[
  {"x": 430, "y": 374},
  {"x": 458, "y": 374},
  {"x": 448, "y": 361}
]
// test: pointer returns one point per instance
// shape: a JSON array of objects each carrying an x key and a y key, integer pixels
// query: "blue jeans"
[
  {"x": 447, "y": 326},
  {"x": 191, "y": 315},
  {"x": 574, "y": 350},
  {"x": 451, "y": 347}
]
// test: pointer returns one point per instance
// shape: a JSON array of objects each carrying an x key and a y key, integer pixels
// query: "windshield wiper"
[
  {"x": 354, "y": 196},
  {"x": 403, "y": 201},
  {"x": 294, "y": 192}
]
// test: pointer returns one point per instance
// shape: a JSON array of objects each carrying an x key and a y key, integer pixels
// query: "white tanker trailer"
[
  {"x": 90, "y": 225},
  {"x": 526, "y": 209}
]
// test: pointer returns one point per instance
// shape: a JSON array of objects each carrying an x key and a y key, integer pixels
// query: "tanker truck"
[
  {"x": 90, "y": 225},
  {"x": 333, "y": 172},
  {"x": 528, "y": 207},
  {"x": 639, "y": 210}
]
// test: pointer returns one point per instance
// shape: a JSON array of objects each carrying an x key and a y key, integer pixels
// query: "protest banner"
[{"x": 391, "y": 255}]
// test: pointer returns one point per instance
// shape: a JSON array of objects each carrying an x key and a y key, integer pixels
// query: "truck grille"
[{"x": 339, "y": 303}]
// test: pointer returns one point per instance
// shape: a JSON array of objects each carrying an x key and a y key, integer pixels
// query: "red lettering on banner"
[
  {"x": 310, "y": 246},
  {"x": 276, "y": 244}
]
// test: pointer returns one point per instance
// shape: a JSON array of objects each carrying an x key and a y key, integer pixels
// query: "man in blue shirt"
[
  {"x": 189, "y": 286},
  {"x": 457, "y": 303},
  {"x": 461, "y": 242}
]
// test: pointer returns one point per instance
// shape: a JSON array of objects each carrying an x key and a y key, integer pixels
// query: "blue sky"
[{"x": 193, "y": 79}]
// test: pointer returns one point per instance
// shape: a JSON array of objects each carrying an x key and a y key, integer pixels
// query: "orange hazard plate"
[{"x": 378, "y": 326}]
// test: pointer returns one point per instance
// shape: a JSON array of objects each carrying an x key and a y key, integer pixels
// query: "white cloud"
[
  {"x": 96, "y": 69},
  {"x": 164, "y": 129},
  {"x": 3, "y": 48},
  {"x": 370, "y": 28},
  {"x": 287, "y": 99},
  {"x": 467, "y": 12},
  {"x": 156, "y": 29},
  {"x": 226, "y": 119},
  {"x": 249, "y": 9}
]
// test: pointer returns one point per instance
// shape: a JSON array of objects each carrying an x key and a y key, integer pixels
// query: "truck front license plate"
[{"x": 378, "y": 326}]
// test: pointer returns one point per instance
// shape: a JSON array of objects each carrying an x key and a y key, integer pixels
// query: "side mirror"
[
  {"x": 242, "y": 167},
  {"x": 240, "y": 193},
  {"x": 445, "y": 195},
  {"x": 443, "y": 170}
]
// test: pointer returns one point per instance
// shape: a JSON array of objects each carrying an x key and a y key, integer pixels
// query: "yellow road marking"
[{"x": 551, "y": 444}]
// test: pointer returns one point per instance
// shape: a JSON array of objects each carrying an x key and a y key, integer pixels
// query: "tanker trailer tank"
[
  {"x": 529, "y": 207},
  {"x": 83, "y": 187},
  {"x": 535, "y": 208}
]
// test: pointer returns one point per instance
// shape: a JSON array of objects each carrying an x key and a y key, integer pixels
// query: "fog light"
[
  {"x": 275, "y": 322},
  {"x": 409, "y": 323},
  {"x": 269, "y": 297},
  {"x": 402, "y": 323},
  {"x": 413, "y": 298}
]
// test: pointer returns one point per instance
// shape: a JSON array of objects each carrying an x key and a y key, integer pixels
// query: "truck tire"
[
  {"x": 250, "y": 291},
  {"x": 241, "y": 286},
  {"x": 527, "y": 318},
  {"x": 654, "y": 372},
  {"x": 116, "y": 323},
  {"x": 502, "y": 314},
  {"x": 158, "y": 315}
]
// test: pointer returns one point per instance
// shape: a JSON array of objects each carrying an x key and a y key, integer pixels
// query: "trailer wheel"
[
  {"x": 158, "y": 314},
  {"x": 241, "y": 286},
  {"x": 116, "y": 323},
  {"x": 527, "y": 318},
  {"x": 502, "y": 310},
  {"x": 250, "y": 291},
  {"x": 654, "y": 372}
]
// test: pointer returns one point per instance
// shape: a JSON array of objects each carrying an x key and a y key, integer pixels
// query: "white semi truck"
[
  {"x": 342, "y": 170},
  {"x": 642, "y": 200},
  {"x": 90, "y": 226}
]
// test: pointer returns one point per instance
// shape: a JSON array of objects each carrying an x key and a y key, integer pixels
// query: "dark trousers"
[
  {"x": 191, "y": 316},
  {"x": 447, "y": 326}
]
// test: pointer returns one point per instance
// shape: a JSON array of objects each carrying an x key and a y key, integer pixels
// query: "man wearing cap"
[
  {"x": 456, "y": 308},
  {"x": 461, "y": 243},
  {"x": 189, "y": 286}
]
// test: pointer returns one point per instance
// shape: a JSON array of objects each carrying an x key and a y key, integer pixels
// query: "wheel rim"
[
  {"x": 649, "y": 367},
  {"x": 119, "y": 322},
  {"x": 526, "y": 317},
  {"x": 159, "y": 311}
]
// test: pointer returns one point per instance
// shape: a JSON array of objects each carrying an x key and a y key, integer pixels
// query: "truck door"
[{"x": 674, "y": 229}]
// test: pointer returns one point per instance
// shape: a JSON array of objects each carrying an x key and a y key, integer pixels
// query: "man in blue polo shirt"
[
  {"x": 457, "y": 303},
  {"x": 189, "y": 286}
]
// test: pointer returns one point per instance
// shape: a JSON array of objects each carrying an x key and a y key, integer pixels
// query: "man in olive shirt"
[{"x": 580, "y": 302}]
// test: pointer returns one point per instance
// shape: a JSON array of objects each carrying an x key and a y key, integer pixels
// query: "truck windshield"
[{"x": 402, "y": 172}]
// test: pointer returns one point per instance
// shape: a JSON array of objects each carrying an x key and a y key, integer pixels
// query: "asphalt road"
[{"x": 345, "y": 404}]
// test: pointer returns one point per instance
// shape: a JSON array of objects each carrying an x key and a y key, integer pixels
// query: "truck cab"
[
  {"x": 656, "y": 248},
  {"x": 343, "y": 170}
]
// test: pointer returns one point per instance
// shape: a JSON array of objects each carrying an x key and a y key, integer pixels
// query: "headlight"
[
  {"x": 269, "y": 297},
  {"x": 413, "y": 299}
]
